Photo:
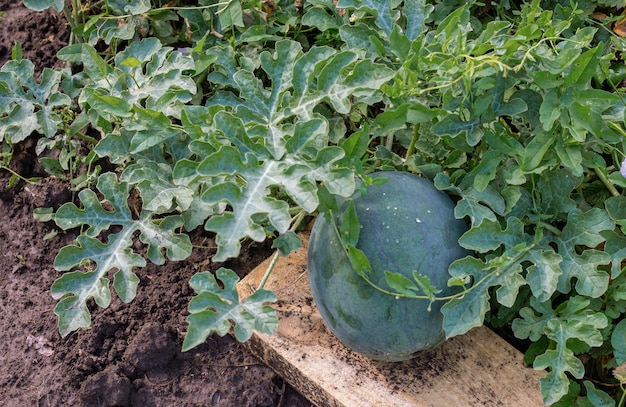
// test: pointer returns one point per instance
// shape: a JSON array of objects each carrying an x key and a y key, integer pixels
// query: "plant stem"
[
  {"x": 496, "y": 270},
  {"x": 269, "y": 270},
  {"x": 87, "y": 138},
  {"x": 608, "y": 184},
  {"x": 296, "y": 210},
  {"x": 30, "y": 181},
  {"x": 411, "y": 149},
  {"x": 549, "y": 227},
  {"x": 69, "y": 16},
  {"x": 296, "y": 223},
  {"x": 617, "y": 128}
]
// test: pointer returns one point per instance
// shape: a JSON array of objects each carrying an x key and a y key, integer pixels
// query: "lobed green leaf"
[
  {"x": 218, "y": 310},
  {"x": 27, "y": 106},
  {"x": 116, "y": 253},
  {"x": 39, "y": 5},
  {"x": 584, "y": 229}
]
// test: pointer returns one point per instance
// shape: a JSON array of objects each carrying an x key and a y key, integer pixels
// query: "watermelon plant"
[{"x": 243, "y": 117}]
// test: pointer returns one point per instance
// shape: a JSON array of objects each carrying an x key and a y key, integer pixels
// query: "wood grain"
[{"x": 477, "y": 369}]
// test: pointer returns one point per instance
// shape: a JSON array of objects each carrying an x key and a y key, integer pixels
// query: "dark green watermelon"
[{"x": 406, "y": 224}]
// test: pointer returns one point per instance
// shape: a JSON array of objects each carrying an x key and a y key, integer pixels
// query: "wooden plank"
[{"x": 476, "y": 369}]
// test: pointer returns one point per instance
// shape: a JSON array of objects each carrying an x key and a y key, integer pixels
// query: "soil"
[{"x": 131, "y": 354}]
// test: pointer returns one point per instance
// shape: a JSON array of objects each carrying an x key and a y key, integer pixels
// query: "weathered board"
[{"x": 476, "y": 369}]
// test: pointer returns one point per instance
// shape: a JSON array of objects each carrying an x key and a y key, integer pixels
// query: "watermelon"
[{"x": 406, "y": 224}]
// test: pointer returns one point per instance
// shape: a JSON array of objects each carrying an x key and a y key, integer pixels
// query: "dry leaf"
[
  {"x": 40, "y": 343},
  {"x": 620, "y": 27}
]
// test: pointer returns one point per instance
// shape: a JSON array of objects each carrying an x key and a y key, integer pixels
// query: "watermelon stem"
[
  {"x": 411, "y": 149},
  {"x": 362, "y": 267},
  {"x": 296, "y": 221}
]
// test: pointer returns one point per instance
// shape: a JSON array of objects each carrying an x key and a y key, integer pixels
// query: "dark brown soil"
[
  {"x": 131, "y": 355},
  {"x": 41, "y": 34}
]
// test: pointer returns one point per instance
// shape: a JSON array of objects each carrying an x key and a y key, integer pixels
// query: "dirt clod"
[
  {"x": 108, "y": 388},
  {"x": 151, "y": 348}
]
